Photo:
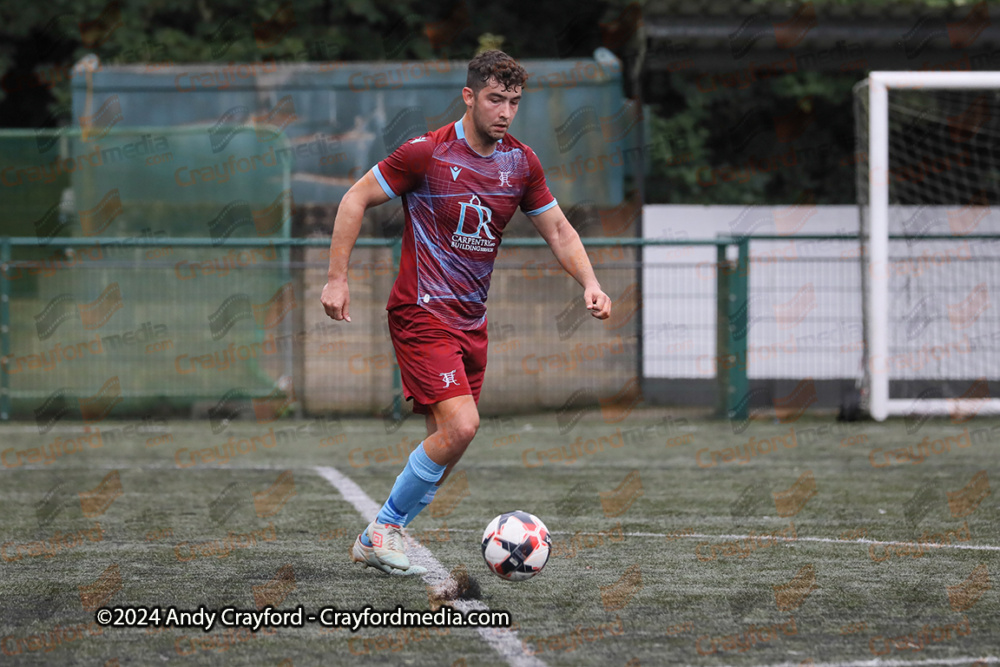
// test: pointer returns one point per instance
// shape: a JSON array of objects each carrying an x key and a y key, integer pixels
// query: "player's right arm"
[{"x": 362, "y": 195}]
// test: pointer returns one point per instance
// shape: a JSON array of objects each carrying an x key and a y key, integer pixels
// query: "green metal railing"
[{"x": 731, "y": 285}]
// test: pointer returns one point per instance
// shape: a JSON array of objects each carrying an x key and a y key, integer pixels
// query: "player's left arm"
[{"x": 568, "y": 249}]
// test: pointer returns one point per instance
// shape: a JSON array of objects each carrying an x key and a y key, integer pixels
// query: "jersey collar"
[{"x": 460, "y": 133}]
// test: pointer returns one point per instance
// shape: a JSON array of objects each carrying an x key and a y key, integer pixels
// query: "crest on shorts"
[{"x": 449, "y": 379}]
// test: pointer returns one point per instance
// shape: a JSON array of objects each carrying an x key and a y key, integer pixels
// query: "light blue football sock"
[
  {"x": 424, "y": 502},
  {"x": 418, "y": 477}
]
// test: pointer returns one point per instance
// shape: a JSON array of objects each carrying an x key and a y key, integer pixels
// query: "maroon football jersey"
[{"x": 456, "y": 204}]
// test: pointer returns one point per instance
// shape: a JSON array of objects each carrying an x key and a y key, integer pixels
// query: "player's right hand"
[{"x": 336, "y": 300}]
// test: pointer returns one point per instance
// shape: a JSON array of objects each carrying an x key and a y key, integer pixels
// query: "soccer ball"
[{"x": 516, "y": 545}]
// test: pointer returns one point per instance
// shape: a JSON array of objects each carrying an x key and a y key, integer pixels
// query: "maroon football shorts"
[{"x": 436, "y": 362}]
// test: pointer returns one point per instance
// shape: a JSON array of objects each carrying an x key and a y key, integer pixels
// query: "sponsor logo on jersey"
[{"x": 474, "y": 240}]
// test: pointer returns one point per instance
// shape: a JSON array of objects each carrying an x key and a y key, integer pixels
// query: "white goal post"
[{"x": 878, "y": 303}]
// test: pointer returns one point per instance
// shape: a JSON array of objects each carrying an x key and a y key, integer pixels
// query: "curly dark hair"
[{"x": 495, "y": 65}]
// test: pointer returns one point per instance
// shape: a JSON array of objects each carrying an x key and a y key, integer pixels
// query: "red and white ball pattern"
[{"x": 516, "y": 545}]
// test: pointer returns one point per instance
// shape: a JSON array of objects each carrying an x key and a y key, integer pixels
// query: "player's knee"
[
  {"x": 465, "y": 434},
  {"x": 464, "y": 429}
]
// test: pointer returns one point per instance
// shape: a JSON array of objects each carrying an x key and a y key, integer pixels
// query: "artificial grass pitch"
[{"x": 675, "y": 541}]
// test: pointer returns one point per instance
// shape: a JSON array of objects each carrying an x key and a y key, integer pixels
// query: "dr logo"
[{"x": 485, "y": 216}]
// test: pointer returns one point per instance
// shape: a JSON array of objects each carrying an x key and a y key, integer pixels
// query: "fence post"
[
  {"x": 722, "y": 340},
  {"x": 737, "y": 406},
  {"x": 4, "y": 327},
  {"x": 732, "y": 307}
]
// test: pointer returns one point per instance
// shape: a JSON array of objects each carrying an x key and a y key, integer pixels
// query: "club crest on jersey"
[
  {"x": 505, "y": 178},
  {"x": 474, "y": 215}
]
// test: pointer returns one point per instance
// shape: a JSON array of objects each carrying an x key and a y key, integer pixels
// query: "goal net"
[{"x": 928, "y": 158}]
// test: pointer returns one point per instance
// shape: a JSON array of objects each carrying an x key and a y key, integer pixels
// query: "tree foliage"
[
  {"x": 778, "y": 141},
  {"x": 692, "y": 131}
]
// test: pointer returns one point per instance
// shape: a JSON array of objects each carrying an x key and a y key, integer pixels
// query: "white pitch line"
[
  {"x": 878, "y": 662},
  {"x": 503, "y": 640},
  {"x": 824, "y": 540},
  {"x": 700, "y": 536},
  {"x": 831, "y": 540}
]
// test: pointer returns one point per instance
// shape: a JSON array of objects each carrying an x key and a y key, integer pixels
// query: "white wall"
[{"x": 805, "y": 296}]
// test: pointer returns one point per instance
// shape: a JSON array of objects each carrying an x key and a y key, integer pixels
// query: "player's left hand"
[{"x": 598, "y": 303}]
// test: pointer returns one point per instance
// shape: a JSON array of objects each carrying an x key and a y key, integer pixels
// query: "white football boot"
[{"x": 386, "y": 553}]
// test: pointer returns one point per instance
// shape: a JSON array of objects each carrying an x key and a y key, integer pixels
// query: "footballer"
[{"x": 460, "y": 185}]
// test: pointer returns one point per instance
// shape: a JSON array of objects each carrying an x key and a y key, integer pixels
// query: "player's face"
[{"x": 494, "y": 108}]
